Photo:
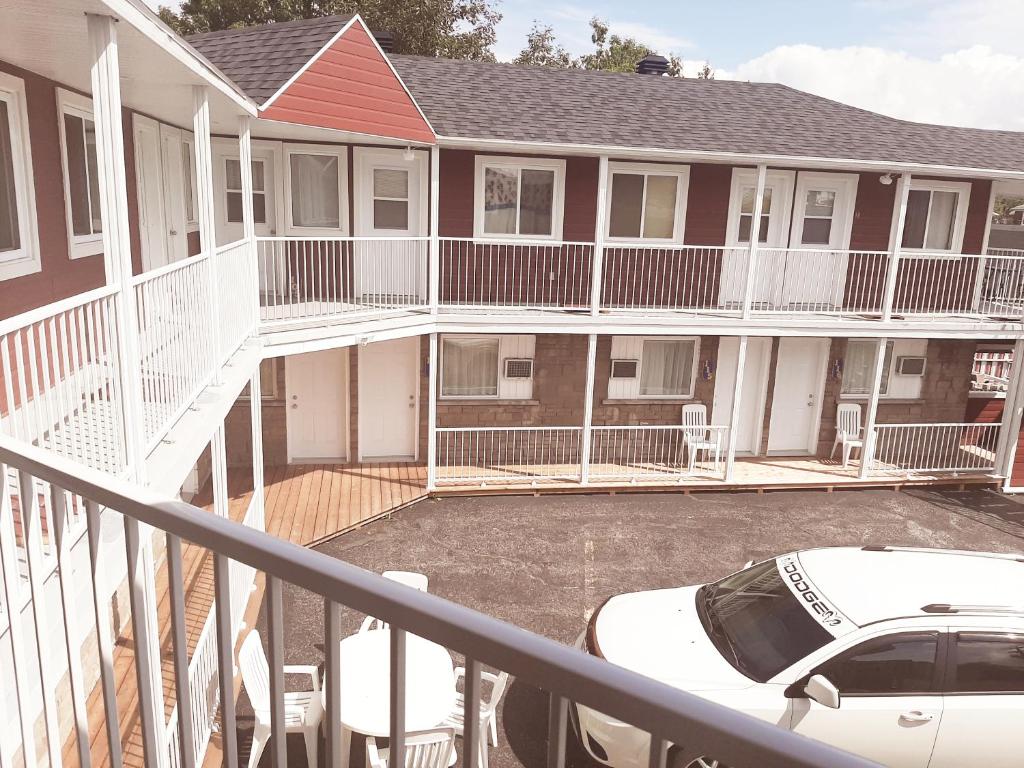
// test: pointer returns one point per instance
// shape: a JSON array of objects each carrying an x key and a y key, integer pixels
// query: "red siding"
[
  {"x": 984, "y": 410},
  {"x": 351, "y": 87}
]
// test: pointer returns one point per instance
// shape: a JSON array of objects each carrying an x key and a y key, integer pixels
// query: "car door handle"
[{"x": 916, "y": 716}]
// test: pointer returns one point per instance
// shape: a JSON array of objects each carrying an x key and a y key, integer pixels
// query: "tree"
[
  {"x": 456, "y": 29},
  {"x": 542, "y": 50},
  {"x": 706, "y": 72}
]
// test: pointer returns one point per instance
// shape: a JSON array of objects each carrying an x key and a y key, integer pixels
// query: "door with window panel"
[
  {"x": 812, "y": 273},
  {"x": 228, "y": 207},
  {"x": 389, "y": 204},
  {"x": 771, "y": 229}
]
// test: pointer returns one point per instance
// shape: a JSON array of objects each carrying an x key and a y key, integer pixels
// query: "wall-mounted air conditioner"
[
  {"x": 518, "y": 368},
  {"x": 625, "y": 369},
  {"x": 910, "y": 365}
]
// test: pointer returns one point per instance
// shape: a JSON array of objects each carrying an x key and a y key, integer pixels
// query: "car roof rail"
[
  {"x": 1012, "y": 610},
  {"x": 1013, "y": 557}
]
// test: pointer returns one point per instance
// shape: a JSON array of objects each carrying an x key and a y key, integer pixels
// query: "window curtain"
[
  {"x": 470, "y": 368},
  {"x": 314, "y": 186},
  {"x": 501, "y": 195},
  {"x": 858, "y": 367},
  {"x": 667, "y": 368}
]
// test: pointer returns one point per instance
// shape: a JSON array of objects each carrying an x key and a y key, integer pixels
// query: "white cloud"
[
  {"x": 952, "y": 25},
  {"x": 973, "y": 86}
]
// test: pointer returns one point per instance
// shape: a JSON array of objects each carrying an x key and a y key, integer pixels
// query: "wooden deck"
[{"x": 305, "y": 504}]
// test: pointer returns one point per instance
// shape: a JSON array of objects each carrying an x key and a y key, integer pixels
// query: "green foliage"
[
  {"x": 457, "y": 29},
  {"x": 612, "y": 53}
]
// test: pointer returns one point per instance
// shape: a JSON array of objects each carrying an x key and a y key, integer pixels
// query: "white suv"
[{"x": 908, "y": 657}]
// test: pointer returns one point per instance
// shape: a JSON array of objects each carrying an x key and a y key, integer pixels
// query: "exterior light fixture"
[
  {"x": 408, "y": 155},
  {"x": 885, "y": 178}
]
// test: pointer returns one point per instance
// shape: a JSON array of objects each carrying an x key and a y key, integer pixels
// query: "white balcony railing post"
[
  {"x": 895, "y": 245},
  {"x": 434, "y": 268},
  {"x": 1013, "y": 408},
  {"x": 248, "y": 216},
  {"x": 597, "y": 261},
  {"x": 588, "y": 410},
  {"x": 432, "y": 416},
  {"x": 734, "y": 415},
  {"x": 867, "y": 452},
  {"x": 256, "y": 424},
  {"x": 205, "y": 210},
  {"x": 755, "y": 233}
]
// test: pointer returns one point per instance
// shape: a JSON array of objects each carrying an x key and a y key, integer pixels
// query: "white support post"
[
  {"x": 205, "y": 209},
  {"x": 597, "y": 270},
  {"x": 432, "y": 416},
  {"x": 895, "y": 245},
  {"x": 434, "y": 268},
  {"x": 734, "y": 415},
  {"x": 219, "y": 470},
  {"x": 588, "y": 410},
  {"x": 256, "y": 419},
  {"x": 117, "y": 261},
  {"x": 979, "y": 277},
  {"x": 868, "y": 449},
  {"x": 248, "y": 216},
  {"x": 755, "y": 232},
  {"x": 1013, "y": 408}
]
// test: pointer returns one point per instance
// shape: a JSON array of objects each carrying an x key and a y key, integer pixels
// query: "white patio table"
[{"x": 365, "y": 669}]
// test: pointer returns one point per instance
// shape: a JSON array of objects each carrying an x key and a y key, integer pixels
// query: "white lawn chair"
[
  {"x": 410, "y": 579},
  {"x": 697, "y": 436},
  {"x": 433, "y": 748},
  {"x": 303, "y": 710},
  {"x": 848, "y": 431},
  {"x": 488, "y": 709}
]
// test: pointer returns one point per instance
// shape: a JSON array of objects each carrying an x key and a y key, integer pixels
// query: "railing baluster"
[
  {"x": 471, "y": 728},
  {"x": 658, "y": 753},
  {"x": 275, "y": 660},
  {"x": 558, "y": 723},
  {"x": 397, "y": 697},
  {"x": 183, "y": 693},
  {"x": 337, "y": 743},
  {"x": 225, "y": 659}
]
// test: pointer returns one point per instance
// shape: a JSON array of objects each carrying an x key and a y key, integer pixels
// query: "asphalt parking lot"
[{"x": 546, "y": 562}]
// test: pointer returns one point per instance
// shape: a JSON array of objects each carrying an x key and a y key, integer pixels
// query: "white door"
[
  {"x": 173, "y": 193},
  {"x": 814, "y": 270},
  {"x": 388, "y": 399},
  {"x": 772, "y": 230},
  {"x": 888, "y": 710},
  {"x": 796, "y": 402},
  {"x": 317, "y": 386},
  {"x": 390, "y": 202},
  {"x": 149, "y": 183},
  {"x": 752, "y": 397}
]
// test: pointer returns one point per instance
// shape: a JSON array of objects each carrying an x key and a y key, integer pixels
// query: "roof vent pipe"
[{"x": 652, "y": 64}]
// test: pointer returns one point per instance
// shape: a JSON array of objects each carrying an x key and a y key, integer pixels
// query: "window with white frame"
[
  {"x": 81, "y": 174},
  {"x": 747, "y": 215},
  {"x": 391, "y": 199},
  {"x": 316, "y": 177},
  {"x": 188, "y": 164},
  {"x": 19, "y": 251},
  {"x": 478, "y": 367},
  {"x": 936, "y": 216},
  {"x": 647, "y": 202},
  {"x": 519, "y": 198},
  {"x": 233, "y": 190},
  {"x": 665, "y": 368},
  {"x": 859, "y": 363}
]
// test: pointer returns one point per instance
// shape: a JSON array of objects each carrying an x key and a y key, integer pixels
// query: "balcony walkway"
[{"x": 305, "y": 504}]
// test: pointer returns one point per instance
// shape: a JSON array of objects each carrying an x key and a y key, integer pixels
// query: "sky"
[{"x": 958, "y": 62}]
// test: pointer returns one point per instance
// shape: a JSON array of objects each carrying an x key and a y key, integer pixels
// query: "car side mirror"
[{"x": 820, "y": 689}]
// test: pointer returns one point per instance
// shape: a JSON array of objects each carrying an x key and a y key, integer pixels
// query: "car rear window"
[{"x": 988, "y": 663}]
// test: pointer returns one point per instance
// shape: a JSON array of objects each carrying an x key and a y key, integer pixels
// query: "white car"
[{"x": 908, "y": 657}]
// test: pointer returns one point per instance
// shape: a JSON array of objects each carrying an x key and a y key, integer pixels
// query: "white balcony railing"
[
  {"x": 819, "y": 281},
  {"x": 309, "y": 278},
  {"x": 508, "y": 455},
  {"x": 656, "y": 453},
  {"x": 961, "y": 284},
  {"x": 236, "y": 280},
  {"x": 694, "y": 725},
  {"x": 517, "y": 274},
  {"x": 934, "y": 448}
]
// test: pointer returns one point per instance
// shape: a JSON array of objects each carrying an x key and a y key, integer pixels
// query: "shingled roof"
[{"x": 514, "y": 103}]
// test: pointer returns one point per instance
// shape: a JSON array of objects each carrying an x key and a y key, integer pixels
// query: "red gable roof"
[{"x": 350, "y": 85}]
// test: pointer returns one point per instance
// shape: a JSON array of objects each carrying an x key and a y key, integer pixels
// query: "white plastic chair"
[
  {"x": 410, "y": 579},
  {"x": 433, "y": 748},
  {"x": 303, "y": 710},
  {"x": 848, "y": 430},
  {"x": 697, "y": 436},
  {"x": 488, "y": 709}
]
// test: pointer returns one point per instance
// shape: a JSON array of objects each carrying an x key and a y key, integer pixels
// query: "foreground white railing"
[
  {"x": 658, "y": 453},
  {"x": 508, "y": 455},
  {"x": 953, "y": 447},
  {"x": 303, "y": 278},
  {"x": 60, "y": 379},
  {"x": 818, "y": 280},
  {"x": 519, "y": 274},
  {"x": 175, "y": 326},
  {"x": 691, "y": 725}
]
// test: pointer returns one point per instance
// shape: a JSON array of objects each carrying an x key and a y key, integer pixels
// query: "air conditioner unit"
[
  {"x": 910, "y": 366},
  {"x": 518, "y": 368},
  {"x": 624, "y": 369}
]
